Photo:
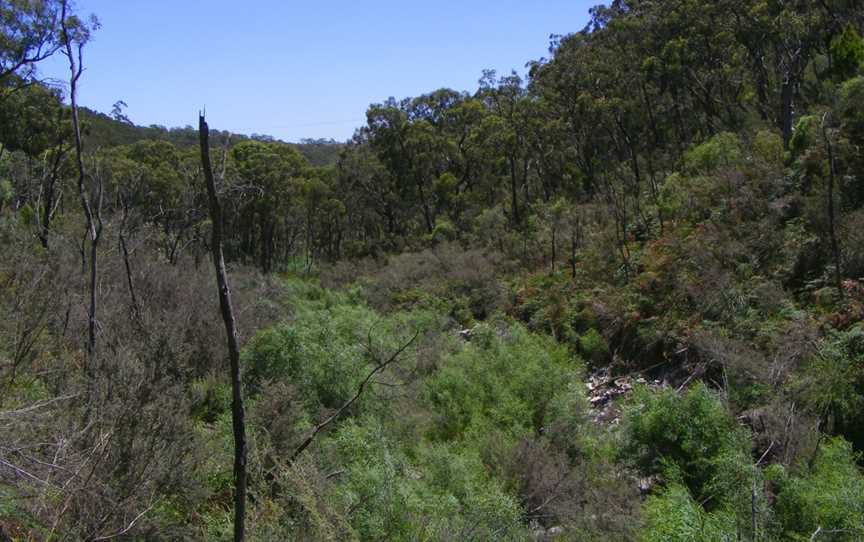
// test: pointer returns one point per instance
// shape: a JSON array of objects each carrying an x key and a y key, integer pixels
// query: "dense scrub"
[
  {"x": 622, "y": 299},
  {"x": 480, "y": 435}
]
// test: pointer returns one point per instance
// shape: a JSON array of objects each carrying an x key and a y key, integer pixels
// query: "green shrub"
[
  {"x": 847, "y": 52},
  {"x": 593, "y": 346},
  {"x": 673, "y": 516},
  {"x": 443, "y": 273},
  {"x": 443, "y": 494},
  {"x": 210, "y": 399},
  {"x": 444, "y": 231},
  {"x": 28, "y": 215},
  {"x": 325, "y": 350},
  {"x": 689, "y": 196},
  {"x": 830, "y": 496},
  {"x": 690, "y": 438},
  {"x": 805, "y": 134},
  {"x": 832, "y": 383},
  {"x": 7, "y": 192},
  {"x": 768, "y": 146},
  {"x": 852, "y": 108},
  {"x": 505, "y": 378},
  {"x": 722, "y": 150}
]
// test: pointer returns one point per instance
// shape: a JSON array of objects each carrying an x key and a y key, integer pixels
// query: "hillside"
[
  {"x": 102, "y": 131},
  {"x": 621, "y": 299}
]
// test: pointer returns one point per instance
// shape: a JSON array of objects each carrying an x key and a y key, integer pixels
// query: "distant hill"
[{"x": 105, "y": 131}]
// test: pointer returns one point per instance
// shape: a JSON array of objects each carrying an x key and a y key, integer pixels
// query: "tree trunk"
[
  {"x": 136, "y": 311},
  {"x": 50, "y": 190},
  {"x": 427, "y": 213},
  {"x": 787, "y": 112},
  {"x": 832, "y": 229},
  {"x": 514, "y": 204},
  {"x": 91, "y": 212},
  {"x": 237, "y": 412}
]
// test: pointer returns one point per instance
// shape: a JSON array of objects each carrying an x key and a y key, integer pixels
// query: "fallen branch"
[
  {"x": 128, "y": 527},
  {"x": 360, "y": 389},
  {"x": 22, "y": 472},
  {"x": 820, "y": 530},
  {"x": 37, "y": 406}
]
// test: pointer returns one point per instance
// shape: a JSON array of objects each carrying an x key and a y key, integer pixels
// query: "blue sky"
[{"x": 301, "y": 69}]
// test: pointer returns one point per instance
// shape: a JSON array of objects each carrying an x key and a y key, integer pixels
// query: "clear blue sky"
[{"x": 302, "y": 69}]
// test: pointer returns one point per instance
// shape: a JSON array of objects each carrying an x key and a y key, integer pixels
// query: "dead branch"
[{"x": 360, "y": 389}]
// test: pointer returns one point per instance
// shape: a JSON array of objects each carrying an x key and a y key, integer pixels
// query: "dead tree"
[
  {"x": 237, "y": 412},
  {"x": 91, "y": 200},
  {"x": 124, "y": 251}
]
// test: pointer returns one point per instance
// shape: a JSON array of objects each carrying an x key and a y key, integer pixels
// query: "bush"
[
  {"x": 847, "y": 52},
  {"x": 593, "y": 346},
  {"x": 444, "y": 230},
  {"x": 442, "y": 495},
  {"x": 673, "y": 516},
  {"x": 505, "y": 378},
  {"x": 690, "y": 438},
  {"x": 851, "y": 110},
  {"x": 805, "y": 135},
  {"x": 722, "y": 150},
  {"x": 852, "y": 244},
  {"x": 7, "y": 192},
  {"x": 832, "y": 383},
  {"x": 445, "y": 275},
  {"x": 768, "y": 146},
  {"x": 325, "y": 351},
  {"x": 829, "y": 496}
]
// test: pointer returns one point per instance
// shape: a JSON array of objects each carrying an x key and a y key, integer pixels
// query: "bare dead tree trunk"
[
  {"x": 136, "y": 311},
  {"x": 92, "y": 210},
  {"x": 237, "y": 412}
]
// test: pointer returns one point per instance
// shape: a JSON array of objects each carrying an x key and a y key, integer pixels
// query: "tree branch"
[{"x": 360, "y": 389}]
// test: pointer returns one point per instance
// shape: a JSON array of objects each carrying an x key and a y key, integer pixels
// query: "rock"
[
  {"x": 547, "y": 535},
  {"x": 646, "y": 484},
  {"x": 555, "y": 531}
]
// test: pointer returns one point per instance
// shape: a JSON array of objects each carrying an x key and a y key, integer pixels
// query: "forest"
[{"x": 618, "y": 298}]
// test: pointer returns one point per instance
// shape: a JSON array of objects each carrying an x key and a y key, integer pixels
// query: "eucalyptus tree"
[
  {"x": 264, "y": 178},
  {"x": 368, "y": 190},
  {"x": 30, "y": 32},
  {"x": 34, "y": 122},
  {"x": 406, "y": 146},
  {"x": 508, "y": 101}
]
